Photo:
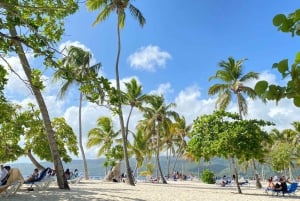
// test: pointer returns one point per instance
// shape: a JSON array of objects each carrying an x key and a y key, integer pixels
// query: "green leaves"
[
  {"x": 297, "y": 101},
  {"x": 279, "y": 20},
  {"x": 282, "y": 66},
  {"x": 261, "y": 87},
  {"x": 224, "y": 134}
]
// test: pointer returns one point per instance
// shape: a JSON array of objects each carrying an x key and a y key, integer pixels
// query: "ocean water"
[{"x": 95, "y": 167}]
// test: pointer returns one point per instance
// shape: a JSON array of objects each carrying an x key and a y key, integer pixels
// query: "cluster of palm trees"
[{"x": 161, "y": 129}]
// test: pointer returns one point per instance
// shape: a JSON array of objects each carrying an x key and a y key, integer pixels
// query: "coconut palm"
[
  {"x": 107, "y": 7},
  {"x": 76, "y": 69},
  {"x": 134, "y": 98},
  {"x": 158, "y": 122},
  {"x": 233, "y": 79},
  {"x": 103, "y": 136},
  {"x": 231, "y": 74},
  {"x": 139, "y": 148}
]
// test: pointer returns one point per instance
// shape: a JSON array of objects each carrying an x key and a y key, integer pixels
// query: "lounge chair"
[
  {"x": 43, "y": 182},
  {"x": 13, "y": 184},
  {"x": 75, "y": 180},
  {"x": 292, "y": 188}
]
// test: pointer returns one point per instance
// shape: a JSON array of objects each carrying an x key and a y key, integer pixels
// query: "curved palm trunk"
[
  {"x": 34, "y": 161},
  {"x": 158, "y": 161},
  {"x": 61, "y": 181},
  {"x": 120, "y": 112},
  {"x": 86, "y": 174},
  {"x": 177, "y": 156}
]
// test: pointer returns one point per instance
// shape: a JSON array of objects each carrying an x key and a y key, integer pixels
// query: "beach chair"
[
  {"x": 43, "y": 182},
  {"x": 75, "y": 180},
  {"x": 13, "y": 184},
  {"x": 12, "y": 188},
  {"x": 292, "y": 188}
]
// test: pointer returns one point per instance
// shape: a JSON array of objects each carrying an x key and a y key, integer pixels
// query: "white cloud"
[
  {"x": 163, "y": 89},
  {"x": 189, "y": 104},
  {"x": 149, "y": 58}
]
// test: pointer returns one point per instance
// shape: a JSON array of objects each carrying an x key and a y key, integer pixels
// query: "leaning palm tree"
[
  {"x": 76, "y": 69},
  {"x": 107, "y": 7},
  {"x": 103, "y": 136},
  {"x": 233, "y": 79},
  {"x": 36, "y": 90}
]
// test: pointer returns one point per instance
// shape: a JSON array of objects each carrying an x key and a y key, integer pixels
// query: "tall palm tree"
[
  {"x": 103, "y": 136},
  {"x": 76, "y": 69},
  {"x": 232, "y": 77},
  {"x": 107, "y": 7},
  {"x": 158, "y": 118}
]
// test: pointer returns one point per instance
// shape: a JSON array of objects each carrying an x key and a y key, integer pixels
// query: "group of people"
[
  {"x": 71, "y": 175},
  {"x": 50, "y": 172},
  {"x": 277, "y": 185}
]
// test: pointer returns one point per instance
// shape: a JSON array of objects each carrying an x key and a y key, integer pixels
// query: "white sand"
[{"x": 91, "y": 190}]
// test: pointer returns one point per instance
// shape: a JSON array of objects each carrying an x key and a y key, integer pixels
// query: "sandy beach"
[{"x": 90, "y": 190}]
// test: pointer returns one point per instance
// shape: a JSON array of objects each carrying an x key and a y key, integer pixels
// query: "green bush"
[{"x": 208, "y": 177}]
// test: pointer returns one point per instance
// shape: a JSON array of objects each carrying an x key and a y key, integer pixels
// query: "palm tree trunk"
[
  {"x": 236, "y": 175},
  {"x": 61, "y": 181},
  {"x": 86, "y": 173},
  {"x": 157, "y": 159},
  {"x": 119, "y": 106},
  {"x": 258, "y": 184}
]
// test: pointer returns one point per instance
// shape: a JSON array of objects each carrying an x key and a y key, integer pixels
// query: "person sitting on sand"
[
  {"x": 281, "y": 186},
  {"x": 270, "y": 185},
  {"x": 67, "y": 174}
]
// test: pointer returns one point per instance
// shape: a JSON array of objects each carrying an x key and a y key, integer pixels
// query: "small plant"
[{"x": 208, "y": 177}]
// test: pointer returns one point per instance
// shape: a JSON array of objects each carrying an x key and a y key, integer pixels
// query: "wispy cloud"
[{"x": 149, "y": 58}]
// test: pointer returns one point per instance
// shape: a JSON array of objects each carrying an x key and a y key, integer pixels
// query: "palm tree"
[
  {"x": 134, "y": 98},
  {"x": 231, "y": 74},
  {"x": 102, "y": 136},
  {"x": 106, "y": 7},
  {"x": 139, "y": 148},
  {"x": 181, "y": 131},
  {"x": 157, "y": 121},
  {"x": 232, "y": 77},
  {"x": 76, "y": 70},
  {"x": 61, "y": 181}
]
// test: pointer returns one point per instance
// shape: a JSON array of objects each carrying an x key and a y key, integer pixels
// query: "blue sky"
[
  {"x": 175, "y": 53},
  {"x": 197, "y": 35}
]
